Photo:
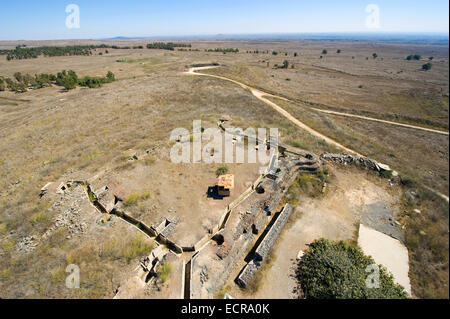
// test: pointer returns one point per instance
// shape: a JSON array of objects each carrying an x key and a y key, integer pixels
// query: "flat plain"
[{"x": 54, "y": 135}]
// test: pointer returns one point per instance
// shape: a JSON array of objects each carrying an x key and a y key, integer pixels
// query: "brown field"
[{"x": 50, "y": 135}]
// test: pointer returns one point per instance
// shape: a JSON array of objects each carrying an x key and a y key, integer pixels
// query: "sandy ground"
[{"x": 388, "y": 252}]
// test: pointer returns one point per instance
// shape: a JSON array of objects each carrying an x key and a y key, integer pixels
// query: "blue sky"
[{"x": 45, "y": 19}]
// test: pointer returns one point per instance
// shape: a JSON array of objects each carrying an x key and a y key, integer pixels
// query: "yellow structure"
[{"x": 226, "y": 181}]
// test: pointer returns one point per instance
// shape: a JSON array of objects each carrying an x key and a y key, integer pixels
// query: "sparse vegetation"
[
  {"x": 413, "y": 57},
  {"x": 167, "y": 46},
  {"x": 133, "y": 198},
  {"x": 223, "y": 50},
  {"x": 222, "y": 170},
  {"x": 164, "y": 272}
]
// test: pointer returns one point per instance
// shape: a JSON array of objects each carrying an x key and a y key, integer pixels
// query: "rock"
[
  {"x": 384, "y": 167},
  {"x": 300, "y": 254},
  {"x": 422, "y": 233},
  {"x": 417, "y": 211}
]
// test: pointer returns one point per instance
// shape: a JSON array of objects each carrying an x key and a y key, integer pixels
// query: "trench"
[
  {"x": 187, "y": 280},
  {"x": 261, "y": 237},
  {"x": 151, "y": 233}
]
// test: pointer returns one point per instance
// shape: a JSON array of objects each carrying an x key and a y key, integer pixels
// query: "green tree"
[
  {"x": 324, "y": 51},
  {"x": 110, "y": 77},
  {"x": 337, "y": 270},
  {"x": 285, "y": 64},
  {"x": 374, "y": 55},
  {"x": 427, "y": 66},
  {"x": 338, "y": 51},
  {"x": 69, "y": 79}
]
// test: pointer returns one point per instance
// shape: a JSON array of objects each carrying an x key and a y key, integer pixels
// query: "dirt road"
[
  {"x": 260, "y": 96},
  {"x": 381, "y": 121}
]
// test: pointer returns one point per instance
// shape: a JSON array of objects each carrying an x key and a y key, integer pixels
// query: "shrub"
[
  {"x": 68, "y": 80},
  {"x": 40, "y": 217},
  {"x": 374, "y": 55},
  {"x": 137, "y": 247},
  {"x": 427, "y": 66},
  {"x": 134, "y": 197},
  {"x": 324, "y": 51},
  {"x": 335, "y": 270},
  {"x": 386, "y": 174},
  {"x": 222, "y": 170},
  {"x": 164, "y": 273},
  {"x": 338, "y": 51}
]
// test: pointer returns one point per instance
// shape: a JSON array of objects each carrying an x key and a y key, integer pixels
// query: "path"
[{"x": 259, "y": 95}]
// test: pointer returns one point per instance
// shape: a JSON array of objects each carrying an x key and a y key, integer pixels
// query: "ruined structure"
[
  {"x": 214, "y": 263},
  {"x": 264, "y": 247}
]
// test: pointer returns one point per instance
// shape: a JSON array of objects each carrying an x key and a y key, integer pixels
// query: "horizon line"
[{"x": 266, "y": 34}]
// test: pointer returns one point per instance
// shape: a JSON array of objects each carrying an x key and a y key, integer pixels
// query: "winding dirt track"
[
  {"x": 260, "y": 96},
  {"x": 381, "y": 121}
]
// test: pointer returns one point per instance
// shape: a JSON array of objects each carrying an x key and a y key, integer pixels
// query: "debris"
[
  {"x": 44, "y": 189},
  {"x": 300, "y": 254}
]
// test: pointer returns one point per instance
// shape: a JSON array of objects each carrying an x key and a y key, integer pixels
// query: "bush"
[
  {"x": 40, "y": 217},
  {"x": 137, "y": 247},
  {"x": 386, "y": 174},
  {"x": 222, "y": 170},
  {"x": 68, "y": 80},
  {"x": 134, "y": 197},
  {"x": 164, "y": 273},
  {"x": 427, "y": 66},
  {"x": 336, "y": 270}
]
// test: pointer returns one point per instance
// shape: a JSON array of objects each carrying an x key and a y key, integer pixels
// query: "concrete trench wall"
[{"x": 264, "y": 247}]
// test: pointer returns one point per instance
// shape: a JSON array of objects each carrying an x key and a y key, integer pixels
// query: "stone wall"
[{"x": 264, "y": 247}]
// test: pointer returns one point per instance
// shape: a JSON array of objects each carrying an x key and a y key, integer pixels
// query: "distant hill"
[{"x": 440, "y": 38}]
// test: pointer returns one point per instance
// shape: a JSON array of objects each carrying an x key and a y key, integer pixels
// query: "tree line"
[
  {"x": 67, "y": 79},
  {"x": 22, "y": 52},
  {"x": 167, "y": 46},
  {"x": 223, "y": 50}
]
